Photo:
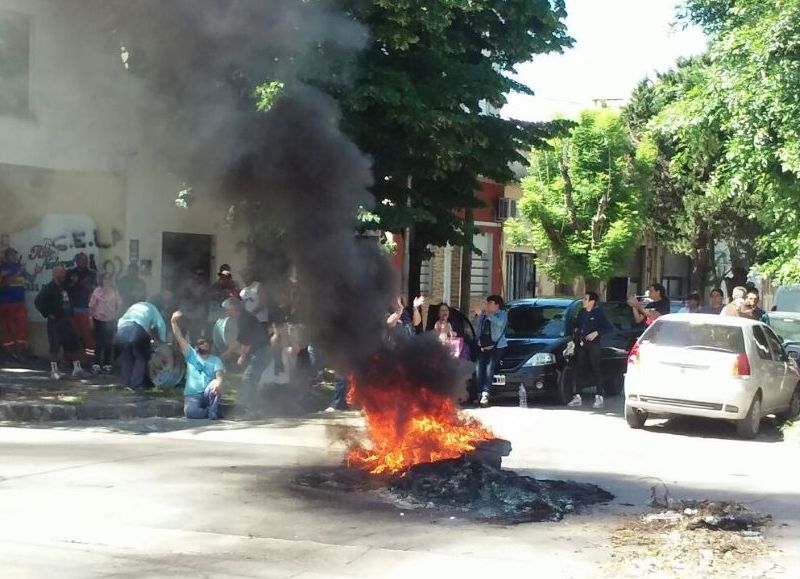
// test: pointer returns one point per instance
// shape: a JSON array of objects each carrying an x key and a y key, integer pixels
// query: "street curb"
[{"x": 40, "y": 412}]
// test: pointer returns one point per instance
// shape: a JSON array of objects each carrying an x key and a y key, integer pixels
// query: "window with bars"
[{"x": 481, "y": 275}]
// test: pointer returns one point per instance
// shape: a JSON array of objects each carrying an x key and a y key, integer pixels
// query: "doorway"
[{"x": 182, "y": 254}]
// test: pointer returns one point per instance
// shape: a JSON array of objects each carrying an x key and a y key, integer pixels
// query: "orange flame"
[{"x": 409, "y": 425}]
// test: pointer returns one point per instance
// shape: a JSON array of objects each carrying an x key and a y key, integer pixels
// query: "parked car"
[
  {"x": 711, "y": 366},
  {"x": 787, "y": 326},
  {"x": 787, "y": 298},
  {"x": 540, "y": 348}
]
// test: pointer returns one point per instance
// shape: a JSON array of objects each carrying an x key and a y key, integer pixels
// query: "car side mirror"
[{"x": 793, "y": 355}]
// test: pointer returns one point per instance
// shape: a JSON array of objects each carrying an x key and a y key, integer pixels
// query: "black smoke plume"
[{"x": 196, "y": 64}]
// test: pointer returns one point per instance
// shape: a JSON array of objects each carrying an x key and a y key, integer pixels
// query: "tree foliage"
[
  {"x": 419, "y": 97},
  {"x": 583, "y": 201},
  {"x": 754, "y": 71},
  {"x": 681, "y": 115}
]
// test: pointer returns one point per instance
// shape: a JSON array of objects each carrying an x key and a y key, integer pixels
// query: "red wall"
[{"x": 490, "y": 193}]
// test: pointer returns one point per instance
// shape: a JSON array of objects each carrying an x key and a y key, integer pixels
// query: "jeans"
[
  {"x": 104, "y": 342},
  {"x": 134, "y": 345},
  {"x": 340, "y": 395},
  {"x": 588, "y": 366},
  {"x": 205, "y": 405},
  {"x": 484, "y": 369}
]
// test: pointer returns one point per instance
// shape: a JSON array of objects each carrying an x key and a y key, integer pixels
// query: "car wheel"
[
  {"x": 566, "y": 385},
  {"x": 794, "y": 407},
  {"x": 615, "y": 384},
  {"x": 749, "y": 426},
  {"x": 635, "y": 417}
]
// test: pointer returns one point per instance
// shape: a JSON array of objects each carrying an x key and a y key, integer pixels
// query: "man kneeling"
[{"x": 203, "y": 390}]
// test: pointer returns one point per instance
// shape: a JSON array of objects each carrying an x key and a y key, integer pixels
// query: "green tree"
[
  {"x": 754, "y": 68},
  {"x": 583, "y": 201},
  {"x": 421, "y": 103},
  {"x": 682, "y": 116}
]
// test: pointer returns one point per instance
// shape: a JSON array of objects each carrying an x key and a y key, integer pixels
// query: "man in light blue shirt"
[
  {"x": 203, "y": 390},
  {"x": 490, "y": 324},
  {"x": 140, "y": 324}
]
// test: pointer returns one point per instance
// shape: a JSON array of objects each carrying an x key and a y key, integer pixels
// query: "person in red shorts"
[{"x": 13, "y": 315}]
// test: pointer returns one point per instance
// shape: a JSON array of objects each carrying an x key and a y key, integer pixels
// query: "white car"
[{"x": 711, "y": 366}]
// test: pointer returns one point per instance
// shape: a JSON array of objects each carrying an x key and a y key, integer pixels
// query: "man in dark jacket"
[
  {"x": 591, "y": 325},
  {"x": 54, "y": 304},
  {"x": 81, "y": 282}
]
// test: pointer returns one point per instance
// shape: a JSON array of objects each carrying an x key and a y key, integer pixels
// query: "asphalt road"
[{"x": 169, "y": 498}]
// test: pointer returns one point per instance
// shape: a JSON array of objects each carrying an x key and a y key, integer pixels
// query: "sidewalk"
[{"x": 29, "y": 395}]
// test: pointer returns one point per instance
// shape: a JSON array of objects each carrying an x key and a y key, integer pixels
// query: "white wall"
[{"x": 78, "y": 112}]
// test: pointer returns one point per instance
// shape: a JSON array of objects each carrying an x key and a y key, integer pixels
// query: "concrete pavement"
[{"x": 165, "y": 497}]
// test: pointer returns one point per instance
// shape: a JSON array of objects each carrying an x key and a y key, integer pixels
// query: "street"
[{"x": 165, "y": 497}]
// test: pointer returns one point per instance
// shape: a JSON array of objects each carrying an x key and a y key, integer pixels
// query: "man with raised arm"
[{"x": 204, "y": 371}]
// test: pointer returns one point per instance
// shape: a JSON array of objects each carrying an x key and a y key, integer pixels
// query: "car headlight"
[{"x": 540, "y": 359}]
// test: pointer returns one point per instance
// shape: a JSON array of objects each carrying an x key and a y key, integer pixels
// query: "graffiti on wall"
[{"x": 57, "y": 240}]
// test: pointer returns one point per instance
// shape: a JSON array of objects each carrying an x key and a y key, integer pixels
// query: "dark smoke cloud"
[{"x": 197, "y": 62}]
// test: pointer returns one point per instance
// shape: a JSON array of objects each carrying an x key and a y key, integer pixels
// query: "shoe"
[
  {"x": 484, "y": 400},
  {"x": 81, "y": 373},
  {"x": 96, "y": 368},
  {"x": 598, "y": 402},
  {"x": 108, "y": 369},
  {"x": 576, "y": 401},
  {"x": 55, "y": 375},
  {"x": 330, "y": 409}
]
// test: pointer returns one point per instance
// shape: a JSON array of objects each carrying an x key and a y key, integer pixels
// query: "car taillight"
[
  {"x": 742, "y": 366},
  {"x": 633, "y": 356}
]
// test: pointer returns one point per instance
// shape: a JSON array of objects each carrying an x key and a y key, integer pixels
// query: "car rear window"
[{"x": 685, "y": 334}]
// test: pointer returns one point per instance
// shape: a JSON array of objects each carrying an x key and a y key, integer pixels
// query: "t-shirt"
[
  {"x": 251, "y": 332},
  {"x": 148, "y": 317},
  {"x": 200, "y": 372},
  {"x": 249, "y": 296},
  {"x": 12, "y": 287},
  {"x": 80, "y": 285},
  {"x": 661, "y": 306}
]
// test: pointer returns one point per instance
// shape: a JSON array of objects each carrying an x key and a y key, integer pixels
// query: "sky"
[{"x": 617, "y": 43}]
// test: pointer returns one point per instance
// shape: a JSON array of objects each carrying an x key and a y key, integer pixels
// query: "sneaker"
[
  {"x": 576, "y": 401},
  {"x": 108, "y": 369},
  {"x": 484, "y": 399},
  {"x": 96, "y": 368},
  {"x": 81, "y": 373},
  {"x": 54, "y": 375},
  {"x": 598, "y": 402},
  {"x": 330, "y": 409}
]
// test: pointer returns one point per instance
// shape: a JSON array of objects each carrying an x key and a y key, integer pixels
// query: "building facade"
[{"x": 74, "y": 172}]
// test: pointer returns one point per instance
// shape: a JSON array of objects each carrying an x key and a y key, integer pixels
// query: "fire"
[{"x": 409, "y": 424}]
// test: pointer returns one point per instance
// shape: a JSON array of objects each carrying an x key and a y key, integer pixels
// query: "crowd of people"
[{"x": 93, "y": 324}]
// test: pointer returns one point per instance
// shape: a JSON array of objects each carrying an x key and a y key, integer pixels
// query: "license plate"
[{"x": 499, "y": 380}]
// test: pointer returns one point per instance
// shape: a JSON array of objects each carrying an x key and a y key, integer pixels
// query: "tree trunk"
[
  {"x": 569, "y": 198},
  {"x": 416, "y": 251},
  {"x": 591, "y": 284},
  {"x": 466, "y": 264}
]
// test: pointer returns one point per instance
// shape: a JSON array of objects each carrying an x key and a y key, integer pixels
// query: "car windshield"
[
  {"x": 787, "y": 328},
  {"x": 685, "y": 334},
  {"x": 536, "y": 321}
]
